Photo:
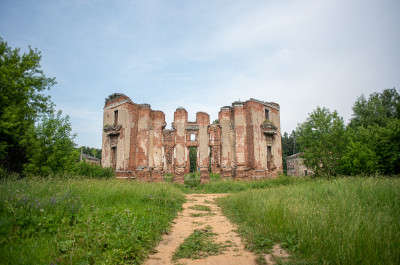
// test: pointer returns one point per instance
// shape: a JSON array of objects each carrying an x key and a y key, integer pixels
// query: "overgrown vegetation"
[
  {"x": 233, "y": 186},
  {"x": 215, "y": 176},
  {"x": 168, "y": 177},
  {"x": 199, "y": 244},
  {"x": 199, "y": 207},
  {"x": 192, "y": 180},
  {"x": 95, "y": 152},
  {"x": 34, "y": 139},
  {"x": 367, "y": 145},
  {"x": 83, "y": 221},
  {"x": 342, "y": 221}
]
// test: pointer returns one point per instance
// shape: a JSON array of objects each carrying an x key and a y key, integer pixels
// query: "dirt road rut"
[{"x": 188, "y": 220}]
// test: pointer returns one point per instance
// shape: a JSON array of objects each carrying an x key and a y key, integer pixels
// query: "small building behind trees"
[{"x": 296, "y": 167}]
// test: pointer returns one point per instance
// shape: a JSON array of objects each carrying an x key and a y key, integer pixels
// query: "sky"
[{"x": 202, "y": 55}]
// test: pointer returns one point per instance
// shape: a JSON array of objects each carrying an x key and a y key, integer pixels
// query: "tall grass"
[
  {"x": 343, "y": 221},
  {"x": 83, "y": 221},
  {"x": 233, "y": 186}
]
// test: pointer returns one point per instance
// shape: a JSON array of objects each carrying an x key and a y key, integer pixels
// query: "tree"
[
  {"x": 91, "y": 151},
  {"x": 22, "y": 101},
  {"x": 289, "y": 147},
  {"x": 378, "y": 109},
  {"x": 358, "y": 158},
  {"x": 53, "y": 150},
  {"x": 322, "y": 141},
  {"x": 387, "y": 146}
]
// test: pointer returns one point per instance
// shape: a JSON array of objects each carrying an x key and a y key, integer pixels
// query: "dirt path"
[{"x": 186, "y": 223}]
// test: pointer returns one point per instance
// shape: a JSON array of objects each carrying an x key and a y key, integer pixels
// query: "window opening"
[
  {"x": 115, "y": 117},
  {"x": 267, "y": 114},
  {"x": 193, "y": 137}
]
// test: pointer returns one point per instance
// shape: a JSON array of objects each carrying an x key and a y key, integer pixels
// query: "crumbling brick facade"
[{"x": 245, "y": 144}]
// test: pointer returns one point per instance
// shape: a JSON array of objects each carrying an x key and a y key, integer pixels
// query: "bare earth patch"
[{"x": 188, "y": 220}]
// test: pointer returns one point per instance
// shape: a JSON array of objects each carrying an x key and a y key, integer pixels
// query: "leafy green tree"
[
  {"x": 387, "y": 146},
  {"x": 322, "y": 140},
  {"x": 53, "y": 150},
  {"x": 378, "y": 109},
  {"x": 22, "y": 100},
  {"x": 91, "y": 151},
  {"x": 358, "y": 158}
]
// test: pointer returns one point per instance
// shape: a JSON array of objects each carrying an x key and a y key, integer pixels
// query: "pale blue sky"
[{"x": 202, "y": 55}]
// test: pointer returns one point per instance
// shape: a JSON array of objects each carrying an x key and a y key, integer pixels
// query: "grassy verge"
[
  {"x": 199, "y": 207},
  {"x": 233, "y": 186},
  {"x": 199, "y": 244},
  {"x": 83, "y": 221},
  {"x": 343, "y": 221}
]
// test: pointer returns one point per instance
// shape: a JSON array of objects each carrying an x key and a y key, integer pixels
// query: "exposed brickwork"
[{"x": 245, "y": 144}]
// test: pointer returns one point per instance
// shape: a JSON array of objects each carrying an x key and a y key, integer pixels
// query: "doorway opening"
[
  {"x": 193, "y": 159},
  {"x": 114, "y": 157},
  {"x": 269, "y": 157}
]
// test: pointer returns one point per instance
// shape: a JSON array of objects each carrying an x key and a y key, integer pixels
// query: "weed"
[
  {"x": 192, "y": 180},
  {"x": 201, "y": 214},
  {"x": 199, "y": 207},
  {"x": 215, "y": 176},
  {"x": 168, "y": 177},
  {"x": 84, "y": 221},
  {"x": 199, "y": 244},
  {"x": 234, "y": 186},
  {"x": 341, "y": 221}
]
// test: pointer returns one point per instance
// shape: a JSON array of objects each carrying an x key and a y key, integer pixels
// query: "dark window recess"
[
  {"x": 115, "y": 117},
  {"x": 267, "y": 114}
]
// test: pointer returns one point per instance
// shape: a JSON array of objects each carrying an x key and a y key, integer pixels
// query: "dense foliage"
[
  {"x": 322, "y": 137},
  {"x": 83, "y": 221},
  {"x": 22, "y": 101},
  {"x": 95, "y": 152},
  {"x": 369, "y": 144},
  {"x": 340, "y": 221},
  {"x": 34, "y": 139}
]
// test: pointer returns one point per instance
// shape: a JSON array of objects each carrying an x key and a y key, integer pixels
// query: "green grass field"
[
  {"x": 234, "y": 186},
  {"x": 341, "y": 221},
  {"x": 83, "y": 221}
]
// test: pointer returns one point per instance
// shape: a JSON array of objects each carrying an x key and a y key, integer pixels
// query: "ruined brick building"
[{"x": 246, "y": 142}]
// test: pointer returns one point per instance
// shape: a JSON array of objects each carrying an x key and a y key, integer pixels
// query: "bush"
[
  {"x": 83, "y": 168},
  {"x": 192, "y": 179},
  {"x": 168, "y": 177},
  {"x": 215, "y": 176}
]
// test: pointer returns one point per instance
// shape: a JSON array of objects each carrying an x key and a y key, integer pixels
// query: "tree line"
[
  {"x": 35, "y": 139},
  {"x": 369, "y": 144}
]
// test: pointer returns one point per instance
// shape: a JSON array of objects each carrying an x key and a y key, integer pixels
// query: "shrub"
[
  {"x": 215, "y": 176},
  {"x": 168, "y": 177},
  {"x": 92, "y": 170},
  {"x": 192, "y": 179}
]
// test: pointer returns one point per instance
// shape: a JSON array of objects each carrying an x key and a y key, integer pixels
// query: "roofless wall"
[{"x": 245, "y": 144}]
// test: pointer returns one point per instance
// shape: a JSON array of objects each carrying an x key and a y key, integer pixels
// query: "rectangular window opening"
[
  {"x": 193, "y": 137},
  {"x": 115, "y": 117},
  {"x": 267, "y": 114}
]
